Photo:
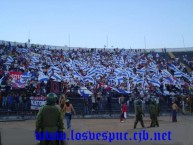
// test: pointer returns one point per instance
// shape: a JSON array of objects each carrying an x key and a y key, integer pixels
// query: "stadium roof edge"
[{"x": 184, "y": 49}]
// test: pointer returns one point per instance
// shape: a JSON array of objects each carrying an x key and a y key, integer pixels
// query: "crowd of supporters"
[{"x": 102, "y": 71}]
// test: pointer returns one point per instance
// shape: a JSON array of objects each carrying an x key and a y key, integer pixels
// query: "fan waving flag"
[
  {"x": 120, "y": 90},
  {"x": 84, "y": 92},
  {"x": 165, "y": 73},
  {"x": 10, "y": 59},
  {"x": 173, "y": 67},
  {"x": 77, "y": 75},
  {"x": 89, "y": 79},
  {"x": 119, "y": 80},
  {"x": 26, "y": 76},
  {"x": 42, "y": 78},
  {"x": 56, "y": 77},
  {"x": 155, "y": 82},
  {"x": 34, "y": 59},
  {"x": 141, "y": 71},
  {"x": 178, "y": 74}
]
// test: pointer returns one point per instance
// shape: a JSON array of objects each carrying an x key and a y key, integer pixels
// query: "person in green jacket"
[
  {"x": 139, "y": 114},
  {"x": 153, "y": 111},
  {"x": 49, "y": 120}
]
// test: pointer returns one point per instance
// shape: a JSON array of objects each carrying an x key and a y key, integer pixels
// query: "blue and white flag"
[
  {"x": 165, "y": 73},
  {"x": 25, "y": 50},
  {"x": 150, "y": 56},
  {"x": 68, "y": 78},
  {"x": 47, "y": 52},
  {"x": 26, "y": 76},
  {"x": 154, "y": 82},
  {"x": 178, "y": 84},
  {"x": 89, "y": 79},
  {"x": 32, "y": 66},
  {"x": 170, "y": 80},
  {"x": 99, "y": 71},
  {"x": 173, "y": 67},
  {"x": 10, "y": 59},
  {"x": 117, "y": 71},
  {"x": 91, "y": 74},
  {"x": 178, "y": 74},
  {"x": 141, "y": 71},
  {"x": 166, "y": 81},
  {"x": 138, "y": 80},
  {"x": 85, "y": 68},
  {"x": 84, "y": 92},
  {"x": 50, "y": 71},
  {"x": 34, "y": 59},
  {"x": 143, "y": 61},
  {"x": 7, "y": 63},
  {"x": 56, "y": 77},
  {"x": 156, "y": 77},
  {"x": 152, "y": 67},
  {"x": 91, "y": 70},
  {"x": 125, "y": 74},
  {"x": 98, "y": 74},
  {"x": 56, "y": 69},
  {"x": 77, "y": 75},
  {"x": 119, "y": 90},
  {"x": 119, "y": 80},
  {"x": 186, "y": 76},
  {"x": 42, "y": 78},
  {"x": 130, "y": 71}
]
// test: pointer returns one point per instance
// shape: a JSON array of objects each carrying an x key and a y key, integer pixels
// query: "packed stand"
[{"x": 102, "y": 71}]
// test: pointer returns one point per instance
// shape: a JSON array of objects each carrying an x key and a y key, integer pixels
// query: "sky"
[{"x": 99, "y": 23}]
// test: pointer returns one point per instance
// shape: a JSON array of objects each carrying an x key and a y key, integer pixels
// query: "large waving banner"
[{"x": 37, "y": 102}]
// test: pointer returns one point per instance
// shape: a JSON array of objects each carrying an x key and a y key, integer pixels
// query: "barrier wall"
[{"x": 184, "y": 49}]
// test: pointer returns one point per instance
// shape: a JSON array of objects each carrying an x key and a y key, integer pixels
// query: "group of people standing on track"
[
  {"x": 154, "y": 112},
  {"x": 50, "y": 116}
]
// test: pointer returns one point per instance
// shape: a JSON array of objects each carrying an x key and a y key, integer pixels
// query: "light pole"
[
  {"x": 145, "y": 42},
  {"x": 107, "y": 41}
]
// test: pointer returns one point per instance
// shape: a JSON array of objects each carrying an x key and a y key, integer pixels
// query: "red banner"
[
  {"x": 54, "y": 87},
  {"x": 15, "y": 75}
]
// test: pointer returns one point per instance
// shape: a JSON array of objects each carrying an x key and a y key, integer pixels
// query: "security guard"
[
  {"x": 49, "y": 120},
  {"x": 139, "y": 113},
  {"x": 153, "y": 110}
]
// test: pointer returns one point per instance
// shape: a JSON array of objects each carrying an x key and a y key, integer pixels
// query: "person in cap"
[
  {"x": 49, "y": 120},
  {"x": 153, "y": 111},
  {"x": 139, "y": 114},
  {"x": 68, "y": 109}
]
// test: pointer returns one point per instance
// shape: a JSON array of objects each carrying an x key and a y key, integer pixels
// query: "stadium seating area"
[{"x": 107, "y": 74}]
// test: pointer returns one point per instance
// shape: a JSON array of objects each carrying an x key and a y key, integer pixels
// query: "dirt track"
[{"x": 21, "y": 133}]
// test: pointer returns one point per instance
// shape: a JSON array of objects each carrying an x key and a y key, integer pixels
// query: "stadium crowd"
[{"x": 126, "y": 71}]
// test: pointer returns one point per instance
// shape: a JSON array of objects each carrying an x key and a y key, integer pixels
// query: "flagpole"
[
  {"x": 145, "y": 42},
  {"x": 29, "y": 36},
  {"x": 69, "y": 40}
]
